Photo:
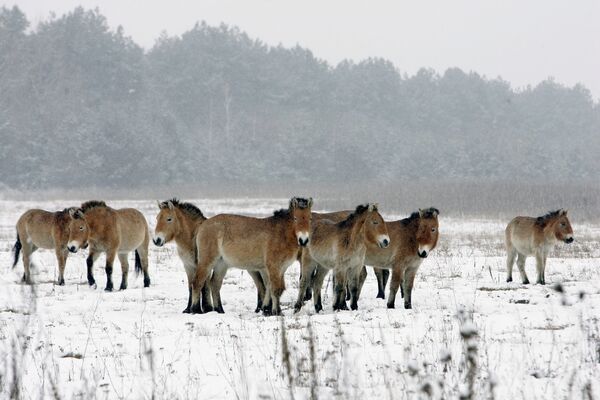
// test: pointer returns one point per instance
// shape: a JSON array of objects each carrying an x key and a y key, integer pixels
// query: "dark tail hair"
[
  {"x": 138, "y": 263},
  {"x": 17, "y": 250}
]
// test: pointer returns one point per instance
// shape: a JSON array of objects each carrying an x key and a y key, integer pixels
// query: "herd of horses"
[{"x": 342, "y": 242}]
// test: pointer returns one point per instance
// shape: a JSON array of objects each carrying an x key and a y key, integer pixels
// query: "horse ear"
[
  {"x": 310, "y": 202},
  {"x": 170, "y": 204},
  {"x": 435, "y": 212},
  {"x": 421, "y": 212},
  {"x": 158, "y": 204},
  {"x": 76, "y": 213},
  {"x": 72, "y": 212},
  {"x": 563, "y": 212},
  {"x": 293, "y": 202}
]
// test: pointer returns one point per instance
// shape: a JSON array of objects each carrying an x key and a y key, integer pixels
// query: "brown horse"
[
  {"x": 39, "y": 229},
  {"x": 178, "y": 221},
  {"x": 267, "y": 245},
  {"x": 526, "y": 236},
  {"x": 412, "y": 240},
  {"x": 340, "y": 247},
  {"x": 112, "y": 232}
]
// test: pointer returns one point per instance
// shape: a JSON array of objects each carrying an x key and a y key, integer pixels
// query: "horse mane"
[
  {"x": 188, "y": 208},
  {"x": 301, "y": 203},
  {"x": 544, "y": 219},
  {"x": 430, "y": 212},
  {"x": 360, "y": 209},
  {"x": 88, "y": 205}
]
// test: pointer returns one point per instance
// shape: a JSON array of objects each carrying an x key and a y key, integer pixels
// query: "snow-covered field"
[{"x": 76, "y": 342}]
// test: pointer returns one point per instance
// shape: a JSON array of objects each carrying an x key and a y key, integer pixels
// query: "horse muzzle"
[
  {"x": 423, "y": 254},
  {"x": 385, "y": 242},
  {"x": 158, "y": 242},
  {"x": 303, "y": 242},
  {"x": 569, "y": 240},
  {"x": 72, "y": 249}
]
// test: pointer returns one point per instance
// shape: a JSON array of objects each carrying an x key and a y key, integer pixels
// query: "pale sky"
[{"x": 524, "y": 41}]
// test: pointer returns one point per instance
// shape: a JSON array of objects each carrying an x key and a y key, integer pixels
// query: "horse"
[
  {"x": 267, "y": 245},
  {"x": 40, "y": 229},
  {"x": 340, "y": 247},
  {"x": 412, "y": 240},
  {"x": 112, "y": 232},
  {"x": 526, "y": 236},
  {"x": 178, "y": 221}
]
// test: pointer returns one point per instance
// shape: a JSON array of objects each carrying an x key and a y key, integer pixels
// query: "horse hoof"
[
  {"x": 509, "y": 279},
  {"x": 108, "y": 289},
  {"x": 196, "y": 310},
  {"x": 187, "y": 311},
  {"x": 257, "y": 309},
  {"x": 354, "y": 307},
  {"x": 123, "y": 286},
  {"x": 219, "y": 310},
  {"x": 380, "y": 296},
  {"x": 391, "y": 306},
  {"x": 407, "y": 306},
  {"x": 526, "y": 282},
  {"x": 61, "y": 282},
  {"x": 146, "y": 282}
]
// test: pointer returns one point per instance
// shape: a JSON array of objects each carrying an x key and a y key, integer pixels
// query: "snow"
[{"x": 532, "y": 341}]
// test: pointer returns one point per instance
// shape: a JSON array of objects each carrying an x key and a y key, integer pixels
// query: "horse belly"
[
  {"x": 242, "y": 257},
  {"x": 523, "y": 245},
  {"x": 42, "y": 240}
]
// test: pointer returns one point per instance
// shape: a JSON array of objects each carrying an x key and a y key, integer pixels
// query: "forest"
[{"x": 82, "y": 104}]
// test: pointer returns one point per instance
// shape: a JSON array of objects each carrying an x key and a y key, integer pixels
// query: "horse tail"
[
  {"x": 138, "y": 263},
  {"x": 16, "y": 250}
]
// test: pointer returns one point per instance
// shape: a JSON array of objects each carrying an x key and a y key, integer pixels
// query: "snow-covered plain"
[{"x": 76, "y": 342}]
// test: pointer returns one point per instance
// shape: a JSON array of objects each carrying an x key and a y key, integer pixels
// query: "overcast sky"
[{"x": 524, "y": 41}]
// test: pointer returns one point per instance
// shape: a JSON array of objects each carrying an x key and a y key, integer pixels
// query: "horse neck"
[
  {"x": 357, "y": 230},
  {"x": 184, "y": 237},
  {"x": 410, "y": 230},
  {"x": 548, "y": 229}
]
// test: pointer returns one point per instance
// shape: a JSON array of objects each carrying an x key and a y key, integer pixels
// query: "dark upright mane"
[
  {"x": 88, "y": 205},
  {"x": 430, "y": 212},
  {"x": 300, "y": 202},
  {"x": 544, "y": 219},
  {"x": 189, "y": 208},
  {"x": 360, "y": 209}
]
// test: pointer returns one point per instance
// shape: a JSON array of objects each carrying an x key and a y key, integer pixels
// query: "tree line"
[{"x": 82, "y": 105}]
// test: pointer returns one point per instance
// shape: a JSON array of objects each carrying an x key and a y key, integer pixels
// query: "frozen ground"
[{"x": 76, "y": 342}]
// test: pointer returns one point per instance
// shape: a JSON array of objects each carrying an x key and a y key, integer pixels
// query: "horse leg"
[
  {"x": 61, "y": 257},
  {"x": 267, "y": 303},
  {"x": 521, "y": 265},
  {"x": 510, "y": 260},
  {"x": 397, "y": 278},
  {"x": 307, "y": 266},
  {"x": 207, "y": 296},
  {"x": 361, "y": 281},
  {"x": 27, "y": 249},
  {"x": 124, "y": 270},
  {"x": 110, "y": 260},
  {"x": 539, "y": 264},
  {"x": 92, "y": 257},
  {"x": 142, "y": 253},
  {"x": 341, "y": 279},
  {"x": 544, "y": 258},
  {"x": 216, "y": 282},
  {"x": 277, "y": 286},
  {"x": 353, "y": 284},
  {"x": 380, "y": 285},
  {"x": 317, "y": 284},
  {"x": 409, "y": 280},
  {"x": 260, "y": 289}
]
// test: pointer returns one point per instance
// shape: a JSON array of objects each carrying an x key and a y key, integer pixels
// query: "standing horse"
[
  {"x": 44, "y": 230},
  {"x": 179, "y": 221},
  {"x": 412, "y": 240},
  {"x": 112, "y": 232},
  {"x": 340, "y": 247},
  {"x": 526, "y": 236},
  {"x": 268, "y": 245}
]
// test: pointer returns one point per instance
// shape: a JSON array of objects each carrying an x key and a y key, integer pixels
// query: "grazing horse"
[
  {"x": 526, "y": 236},
  {"x": 412, "y": 240},
  {"x": 112, "y": 232},
  {"x": 340, "y": 247},
  {"x": 39, "y": 229},
  {"x": 267, "y": 245},
  {"x": 178, "y": 221}
]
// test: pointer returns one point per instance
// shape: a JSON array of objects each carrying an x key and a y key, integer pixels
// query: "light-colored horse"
[
  {"x": 340, "y": 247},
  {"x": 39, "y": 229},
  {"x": 412, "y": 240},
  {"x": 528, "y": 236},
  {"x": 178, "y": 221},
  {"x": 112, "y": 232},
  {"x": 267, "y": 245}
]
